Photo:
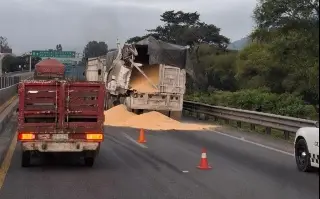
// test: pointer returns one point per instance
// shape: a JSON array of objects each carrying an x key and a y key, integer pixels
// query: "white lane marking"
[
  {"x": 132, "y": 140},
  {"x": 185, "y": 171},
  {"x": 254, "y": 143}
]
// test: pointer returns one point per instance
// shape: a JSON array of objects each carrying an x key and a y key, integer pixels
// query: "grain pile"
[
  {"x": 116, "y": 114},
  {"x": 120, "y": 116},
  {"x": 140, "y": 83}
]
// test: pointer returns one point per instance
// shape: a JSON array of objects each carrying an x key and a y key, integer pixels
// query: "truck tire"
[
  {"x": 302, "y": 156},
  {"x": 89, "y": 161},
  {"x": 25, "y": 158},
  {"x": 109, "y": 104},
  {"x": 105, "y": 105},
  {"x": 176, "y": 115}
]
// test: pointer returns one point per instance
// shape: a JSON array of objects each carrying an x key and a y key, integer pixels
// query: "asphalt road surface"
[{"x": 163, "y": 168}]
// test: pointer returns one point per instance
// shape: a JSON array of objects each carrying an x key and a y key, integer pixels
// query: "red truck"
[{"x": 56, "y": 115}]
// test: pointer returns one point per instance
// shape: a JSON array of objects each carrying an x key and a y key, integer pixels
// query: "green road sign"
[{"x": 53, "y": 54}]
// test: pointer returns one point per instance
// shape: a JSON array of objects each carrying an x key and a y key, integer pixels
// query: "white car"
[{"x": 307, "y": 148}]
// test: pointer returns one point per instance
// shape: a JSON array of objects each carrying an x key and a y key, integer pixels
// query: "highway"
[{"x": 163, "y": 168}]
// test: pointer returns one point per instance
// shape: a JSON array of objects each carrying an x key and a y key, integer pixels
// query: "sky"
[{"x": 42, "y": 24}]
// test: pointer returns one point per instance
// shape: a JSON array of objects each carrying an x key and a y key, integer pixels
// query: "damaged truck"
[{"x": 149, "y": 75}]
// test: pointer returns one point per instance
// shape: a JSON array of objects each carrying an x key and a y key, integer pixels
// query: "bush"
[{"x": 281, "y": 104}]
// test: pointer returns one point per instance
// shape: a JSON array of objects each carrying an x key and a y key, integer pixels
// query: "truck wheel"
[
  {"x": 302, "y": 156},
  {"x": 25, "y": 158},
  {"x": 176, "y": 115},
  {"x": 88, "y": 161}
]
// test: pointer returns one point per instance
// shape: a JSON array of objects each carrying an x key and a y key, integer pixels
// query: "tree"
[
  {"x": 215, "y": 68},
  {"x": 274, "y": 16},
  {"x": 185, "y": 29},
  {"x": 59, "y": 47},
  {"x": 136, "y": 39},
  {"x": 95, "y": 49},
  {"x": 4, "y": 46},
  {"x": 286, "y": 56}
]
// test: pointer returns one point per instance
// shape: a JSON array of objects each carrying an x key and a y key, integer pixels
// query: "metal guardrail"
[
  {"x": 270, "y": 121},
  {"x": 8, "y": 92},
  {"x": 9, "y": 81},
  {"x": 11, "y": 73}
]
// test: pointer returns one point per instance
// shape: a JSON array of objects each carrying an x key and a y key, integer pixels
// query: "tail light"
[
  {"x": 26, "y": 136},
  {"x": 94, "y": 136}
]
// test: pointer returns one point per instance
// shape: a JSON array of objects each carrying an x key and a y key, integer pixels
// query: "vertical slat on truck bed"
[
  {"x": 62, "y": 100},
  {"x": 38, "y": 105},
  {"x": 85, "y": 106}
]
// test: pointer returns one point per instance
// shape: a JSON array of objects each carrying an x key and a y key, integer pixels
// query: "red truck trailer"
[{"x": 60, "y": 116}]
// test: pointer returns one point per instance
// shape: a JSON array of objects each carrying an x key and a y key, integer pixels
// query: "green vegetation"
[
  {"x": 4, "y": 46},
  {"x": 278, "y": 70},
  {"x": 12, "y": 63},
  {"x": 95, "y": 49},
  {"x": 257, "y": 99}
]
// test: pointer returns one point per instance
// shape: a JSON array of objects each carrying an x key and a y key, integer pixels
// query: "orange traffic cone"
[
  {"x": 204, "y": 161},
  {"x": 142, "y": 139}
]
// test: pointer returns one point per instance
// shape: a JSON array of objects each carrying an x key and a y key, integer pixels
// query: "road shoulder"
[{"x": 256, "y": 137}]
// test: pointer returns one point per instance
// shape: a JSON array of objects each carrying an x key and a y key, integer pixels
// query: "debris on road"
[
  {"x": 120, "y": 116},
  {"x": 117, "y": 114}
]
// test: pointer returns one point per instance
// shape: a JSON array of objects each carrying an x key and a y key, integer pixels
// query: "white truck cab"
[{"x": 307, "y": 148}]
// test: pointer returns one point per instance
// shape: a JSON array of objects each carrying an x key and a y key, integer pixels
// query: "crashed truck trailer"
[{"x": 172, "y": 64}]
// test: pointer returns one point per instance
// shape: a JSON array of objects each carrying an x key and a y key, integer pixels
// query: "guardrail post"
[
  {"x": 268, "y": 130},
  {"x": 286, "y": 135},
  {"x": 184, "y": 112},
  {"x": 239, "y": 124},
  {"x": 252, "y": 127},
  {"x": 198, "y": 115}
]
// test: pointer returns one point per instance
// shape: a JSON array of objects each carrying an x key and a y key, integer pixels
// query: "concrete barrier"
[{"x": 7, "y": 93}]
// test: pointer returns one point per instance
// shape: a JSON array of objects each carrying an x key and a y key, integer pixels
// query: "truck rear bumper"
[{"x": 60, "y": 146}]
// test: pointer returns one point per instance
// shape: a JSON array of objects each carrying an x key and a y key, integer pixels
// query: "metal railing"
[
  {"x": 8, "y": 81},
  {"x": 270, "y": 121},
  {"x": 9, "y": 86}
]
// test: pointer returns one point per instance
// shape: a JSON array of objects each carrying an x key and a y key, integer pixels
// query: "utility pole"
[{"x": 30, "y": 60}]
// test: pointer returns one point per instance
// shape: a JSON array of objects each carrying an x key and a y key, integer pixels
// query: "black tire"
[
  {"x": 89, "y": 161},
  {"x": 26, "y": 159},
  {"x": 302, "y": 156},
  {"x": 105, "y": 105},
  {"x": 176, "y": 115}
]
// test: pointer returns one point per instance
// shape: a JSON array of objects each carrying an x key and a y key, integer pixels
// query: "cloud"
[{"x": 41, "y": 24}]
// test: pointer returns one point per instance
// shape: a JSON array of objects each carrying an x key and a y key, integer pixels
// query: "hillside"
[{"x": 239, "y": 44}]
